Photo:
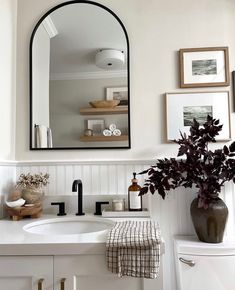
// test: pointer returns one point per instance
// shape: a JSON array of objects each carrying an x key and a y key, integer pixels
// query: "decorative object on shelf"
[
  {"x": 203, "y": 168},
  {"x": 182, "y": 108},
  {"x": 120, "y": 94},
  {"x": 117, "y": 132},
  {"x": 104, "y": 104},
  {"x": 31, "y": 186},
  {"x": 29, "y": 210},
  {"x": 112, "y": 127},
  {"x": 14, "y": 195},
  {"x": 204, "y": 67},
  {"x": 112, "y": 131},
  {"x": 118, "y": 204},
  {"x": 107, "y": 132},
  {"x": 97, "y": 126},
  {"x": 88, "y": 132}
]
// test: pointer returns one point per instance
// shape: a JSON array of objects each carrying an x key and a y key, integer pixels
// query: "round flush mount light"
[{"x": 110, "y": 59}]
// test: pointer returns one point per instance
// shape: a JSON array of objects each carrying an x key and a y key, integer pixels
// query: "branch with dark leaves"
[{"x": 205, "y": 169}]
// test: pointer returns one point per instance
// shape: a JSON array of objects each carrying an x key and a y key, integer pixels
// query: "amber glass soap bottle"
[{"x": 134, "y": 200}]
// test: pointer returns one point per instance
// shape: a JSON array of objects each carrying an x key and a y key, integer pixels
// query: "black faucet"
[
  {"x": 77, "y": 186},
  {"x": 61, "y": 208}
]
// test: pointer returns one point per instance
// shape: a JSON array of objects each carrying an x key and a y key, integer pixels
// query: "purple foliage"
[{"x": 205, "y": 169}]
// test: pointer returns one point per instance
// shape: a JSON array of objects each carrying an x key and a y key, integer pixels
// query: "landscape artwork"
[
  {"x": 200, "y": 113},
  {"x": 122, "y": 97},
  {"x": 204, "y": 67}
]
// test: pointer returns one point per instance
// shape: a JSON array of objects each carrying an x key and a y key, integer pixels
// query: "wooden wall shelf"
[
  {"x": 102, "y": 138},
  {"x": 104, "y": 111}
]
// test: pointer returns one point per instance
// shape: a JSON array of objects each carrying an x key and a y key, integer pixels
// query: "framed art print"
[
  {"x": 119, "y": 93},
  {"x": 182, "y": 108},
  {"x": 204, "y": 67}
]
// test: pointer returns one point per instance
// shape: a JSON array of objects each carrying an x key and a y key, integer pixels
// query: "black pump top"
[{"x": 134, "y": 180}]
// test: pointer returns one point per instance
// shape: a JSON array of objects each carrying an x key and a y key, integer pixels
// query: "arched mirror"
[{"x": 79, "y": 79}]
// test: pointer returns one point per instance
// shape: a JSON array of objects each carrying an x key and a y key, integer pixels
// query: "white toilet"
[{"x": 203, "y": 266}]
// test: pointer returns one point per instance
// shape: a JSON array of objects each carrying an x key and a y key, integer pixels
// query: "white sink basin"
[{"x": 68, "y": 226}]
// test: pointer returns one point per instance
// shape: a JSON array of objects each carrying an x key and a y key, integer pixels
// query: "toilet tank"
[{"x": 203, "y": 266}]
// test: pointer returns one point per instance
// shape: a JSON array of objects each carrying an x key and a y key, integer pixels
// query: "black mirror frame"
[{"x": 31, "y": 79}]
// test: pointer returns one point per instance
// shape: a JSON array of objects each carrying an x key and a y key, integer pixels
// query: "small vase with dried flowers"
[{"x": 32, "y": 186}]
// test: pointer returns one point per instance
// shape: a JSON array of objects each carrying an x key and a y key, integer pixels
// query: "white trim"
[
  {"x": 82, "y": 162},
  {"x": 8, "y": 163},
  {"x": 50, "y": 27},
  {"x": 88, "y": 75}
]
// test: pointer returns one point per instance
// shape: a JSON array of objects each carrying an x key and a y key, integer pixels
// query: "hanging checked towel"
[{"x": 133, "y": 249}]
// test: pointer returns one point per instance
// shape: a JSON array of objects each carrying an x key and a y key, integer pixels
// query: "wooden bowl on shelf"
[{"x": 104, "y": 104}]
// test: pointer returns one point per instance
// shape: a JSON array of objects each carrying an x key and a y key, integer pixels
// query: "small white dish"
[{"x": 17, "y": 203}]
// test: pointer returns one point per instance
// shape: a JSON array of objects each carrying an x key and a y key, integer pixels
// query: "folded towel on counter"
[
  {"x": 133, "y": 249},
  {"x": 43, "y": 136}
]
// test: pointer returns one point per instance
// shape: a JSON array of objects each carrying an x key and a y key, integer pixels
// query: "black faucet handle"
[
  {"x": 61, "y": 208},
  {"x": 98, "y": 205}
]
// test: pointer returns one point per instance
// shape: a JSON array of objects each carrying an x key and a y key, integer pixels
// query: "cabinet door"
[
  {"x": 209, "y": 273},
  {"x": 89, "y": 272},
  {"x": 25, "y": 272}
]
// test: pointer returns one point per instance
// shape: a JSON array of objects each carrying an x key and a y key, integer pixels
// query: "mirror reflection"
[{"x": 79, "y": 79}]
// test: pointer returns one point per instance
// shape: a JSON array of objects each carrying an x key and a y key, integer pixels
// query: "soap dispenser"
[{"x": 134, "y": 199}]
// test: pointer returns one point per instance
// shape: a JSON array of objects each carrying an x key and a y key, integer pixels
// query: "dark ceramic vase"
[{"x": 209, "y": 223}]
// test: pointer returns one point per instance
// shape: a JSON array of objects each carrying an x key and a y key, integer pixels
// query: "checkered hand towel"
[{"x": 133, "y": 249}]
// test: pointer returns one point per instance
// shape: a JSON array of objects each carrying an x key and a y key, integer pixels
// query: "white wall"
[
  {"x": 41, "y": 69},
  {"x": 8, "y": 17},
  {"x": 157, "y": 30}
]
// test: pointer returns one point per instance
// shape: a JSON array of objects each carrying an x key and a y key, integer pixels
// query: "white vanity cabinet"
[
  {"x": 87, "y": 272},
  {"x": 69, "y": 272},
  {"x": 26, "y": 273}
]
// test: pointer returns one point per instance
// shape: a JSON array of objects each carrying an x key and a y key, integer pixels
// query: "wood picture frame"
[
  {"x": 181, "y": 108},
  {"x": 204, "y": 67},
  {"x": 233, "y": 89},
  {"x": 118, "y": 93},
  {"x": 96, "y": 125}
]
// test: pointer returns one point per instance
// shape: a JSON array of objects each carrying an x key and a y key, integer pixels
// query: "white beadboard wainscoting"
[
  {"x": 101, "y": 177},
  {"x": 113, "y": 178}
]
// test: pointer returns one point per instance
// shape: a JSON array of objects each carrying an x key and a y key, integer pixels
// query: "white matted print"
[
  {"x": 204, "y": 67},
  {"x": 120, "y": 94},
  {"x": 97, "y": 126},
  {"x": 183, "y": 107}
]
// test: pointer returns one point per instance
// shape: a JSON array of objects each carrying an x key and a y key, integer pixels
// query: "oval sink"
[{"x": 68, "y": 226}]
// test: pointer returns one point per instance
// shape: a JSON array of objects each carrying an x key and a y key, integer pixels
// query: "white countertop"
[
  {"x": 190, "y": 245},
  {"x": 14, "y": 240}
]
